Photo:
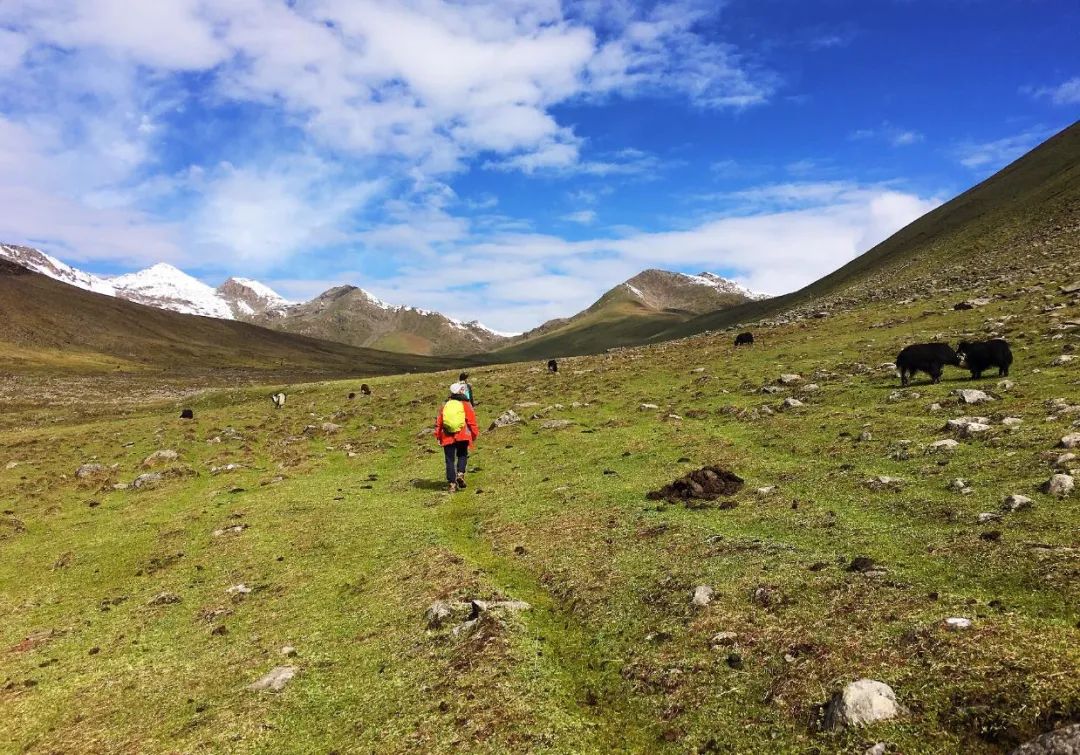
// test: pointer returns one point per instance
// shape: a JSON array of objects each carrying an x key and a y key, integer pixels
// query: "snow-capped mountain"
[
  {"x": 166, "y": 287},
  {"x": 39, "y": 262},
  {"x": 247, "y": 298},
  {"x": 662, "y": 290}
]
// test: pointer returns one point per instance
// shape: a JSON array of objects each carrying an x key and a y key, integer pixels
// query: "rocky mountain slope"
[{"x": 352, "y": 315}]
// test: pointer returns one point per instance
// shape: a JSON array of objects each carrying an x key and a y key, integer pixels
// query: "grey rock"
[
  {"x": 506, "y": 419},
  {"x": 648, "y": 407},
  {"x": 90, "y": 470},
  {"x": 790, "y": 379},
  {"x": 972, "y": 396},
  {"x": 957, "y": 623},
  {"x": 275, "y": 680},
  {"x": 703, "y": 595},
  {"x": 1072, "y": 440},
  {"x": 164, "y": 599},
  {"x": 862, "y": 702},
  {"x": 943, "y": 446},
  {"x": 792, "y": 403},
  {"x": 1060, "y": 485},
  {"x": 1063, "y": 741},
  {"x": 1012, "y": 423},
  {"x": 1016, "y": 502},
  {"x": 158, "y": 458},
  {"x": 1006, "y": 385},
  {"x": 556, "y": 424},
  {"x": 148, "y": 480},
  {"x": 437, "y": 614},
  {"x": 884, "y": 482},
  {"x": 1062, "y": 360},
  {"x": 987, "y": 516},
  {"x": 722, "y": 639}
]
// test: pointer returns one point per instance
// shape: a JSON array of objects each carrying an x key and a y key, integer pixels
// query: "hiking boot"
[
  {"x": 453, "y": 487},
  {"x": 461, "y": 482}
]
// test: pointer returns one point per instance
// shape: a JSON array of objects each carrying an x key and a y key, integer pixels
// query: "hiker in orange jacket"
[{"x": 456, "y": 440}]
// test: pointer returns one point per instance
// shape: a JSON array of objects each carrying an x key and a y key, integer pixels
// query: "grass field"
[{"x": 345, "y": 537}]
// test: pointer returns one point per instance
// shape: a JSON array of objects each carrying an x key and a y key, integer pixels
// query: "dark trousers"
[{"x": 460, "y": 452}]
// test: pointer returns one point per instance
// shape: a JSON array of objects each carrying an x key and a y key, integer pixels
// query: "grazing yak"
[
  {"x": 365, "y": 389},
  {"x": 978, "y": 356},
  {"x": 930, "y": 358},
  {"x": 187, "y": 414},
  {"x": 278, "y": 399},
  {"x": 553, "y": 366},
  {"x": 744, "y": 339}
]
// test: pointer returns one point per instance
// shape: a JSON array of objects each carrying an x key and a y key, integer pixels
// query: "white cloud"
[
  {"x": 1065, "y": 93},
  {"x": 786, "y": 236},
  {"x": 894, "y": 135},
  {"x": 999, "y": 152},
  {"x": 584, "y": 217}
]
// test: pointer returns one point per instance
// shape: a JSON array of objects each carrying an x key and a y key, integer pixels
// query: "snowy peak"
[
  {"x": 166, "y": 287},
  {"x": 247, "y": 297},
  {"x": 663, "y": 290},
  {"x": 39, "y": 262}
]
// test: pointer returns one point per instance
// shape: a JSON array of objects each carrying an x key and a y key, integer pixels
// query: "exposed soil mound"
[{"x": 705, "y": 484}]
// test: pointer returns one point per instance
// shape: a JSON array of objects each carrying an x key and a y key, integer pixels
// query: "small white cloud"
[
  {"x": 584, "y": 217},
  {"x": 999, "y": 152},
  {"x": 889, "y": 133},
  {"x": 1065, "y": 93}
]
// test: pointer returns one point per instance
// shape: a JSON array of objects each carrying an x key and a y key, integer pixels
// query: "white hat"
[{"x": 458, "y": 388}]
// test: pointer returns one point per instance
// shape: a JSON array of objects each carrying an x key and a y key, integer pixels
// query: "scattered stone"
[
  {"x": 1016, "y": 502},
  {"x": 935, "y": 407},
  {"x": 707, "y": 484},
  {"x": 703, "y": 595},
  {"x": 957, "y": 623},
  {"x": 766, "y": 490},
  {"x": 1062, "y": 461},
  {"x": 330, "y": 428},
  {"x": 790, "y": 379},
  {"x": 158, "y": 458},
  {"x": 877, "y": 749},
  {"x": 437, "y": 614},
  {"x": 972, "y": 396},
  {"x": 506, "y": 419},
  {"x": 884, "y": 482},
  {"x": 943, "y": 446},
  {"x": 164, "y": 599},
  {"x": 288, "y": 651},
  {"x": 861, "y": 702},
  {"x": 960, "y": 486},
  {"x": 1072, "y": 440},
  {"x": 866, "y": 436},
  {"x": 723, "y": 639},
  {"x": 648, "y": 407},
  {"x": 986, "y": 517},
  {"x": 1006, "y": 385},
  {"x": 148, "y": 480},
  {"x": 274, "y": 681},
  {"x": 1060, "y": 485},
  {"x": 792, "y": 403},
  {"x": 1063, "y": 359},
  {"x": 556, "y": 424},
  {"x": 94, "y": 470},
  {"x": 226, "y": 468},
  {"x": 238, "y": 590},
  {"x": 811, "y": 388},
  {"x": 968, "y": 427},
  {"x": 1063, "y": 741},
  {"x": 1012, "y": 423}
]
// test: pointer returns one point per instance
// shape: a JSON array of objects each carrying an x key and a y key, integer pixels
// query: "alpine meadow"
[{"x": 804, "y": 481}]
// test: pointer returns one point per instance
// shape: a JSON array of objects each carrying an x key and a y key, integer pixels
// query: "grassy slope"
[
  {"x": 616, "y": 319},
  {"x": 1040, "y": 189},
  {"x": 612, "y": 656},
  {"x": 46, "y": 325}
]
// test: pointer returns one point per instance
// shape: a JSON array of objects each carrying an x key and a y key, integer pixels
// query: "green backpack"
[{"x": 453, "y": 416}]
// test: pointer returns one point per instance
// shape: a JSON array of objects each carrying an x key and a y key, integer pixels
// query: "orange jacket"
[{"x": 470, "y": 432}]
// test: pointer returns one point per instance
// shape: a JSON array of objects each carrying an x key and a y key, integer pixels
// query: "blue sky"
[{"x": 509, "y": 160}]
